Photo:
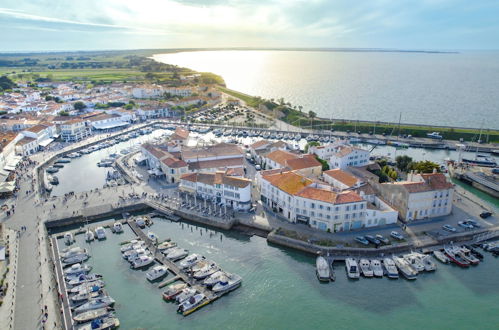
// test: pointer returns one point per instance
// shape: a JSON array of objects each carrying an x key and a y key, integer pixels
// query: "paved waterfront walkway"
[{"x": 7, "y": 310}]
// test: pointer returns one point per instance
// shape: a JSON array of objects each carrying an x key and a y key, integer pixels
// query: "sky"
[{"x": 48, "y": 25}]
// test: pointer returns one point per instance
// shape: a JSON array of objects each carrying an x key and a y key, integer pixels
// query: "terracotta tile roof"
[
  {"x": 216, "y": 178},
  {"x": 289, "y": 182},
  {"x": 342, "y": 176},
  {"x": 238, "y": 171},
  {"x": 180, "y": 134},
  {"x": 213, "y": 151},
  {"x": 217, "y": 163},
  {"x": 343, "y": 151},
  {"x": 25, "y": 140},
  {"x": 281, "y": 156},
  {"x": 155, "y": 151},
  {"x": 328, "y": 196},
  {"x": 173, "y": 162},
  {"x": 437, "y": 181},
  {"x": 258, "y": 144},
  {"x": 189, "y": 177},
  {"x": 36, "y": 128},
  {"x": 307, "y": 161}
]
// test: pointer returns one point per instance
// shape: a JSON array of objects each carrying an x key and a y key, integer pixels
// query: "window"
[
  {"x": 312, "y": 213},
  {"x": 354, "y": 215},
  {"x": 319, "y": 215},
  {"x": 328, "y": 217},
  {"x": 336, "y": 217},
  {"x": 312, "y": 205},
  {"x": 348, "y": 208},
  {"x": 361, "y": 206},
  {"x": 321, "y": 207},
  {"x": 354, "y": 207},
  {"x": 328, "y": 208},
  {"x": 346, "y": 216},
  {"x": 337, "y": 209}
]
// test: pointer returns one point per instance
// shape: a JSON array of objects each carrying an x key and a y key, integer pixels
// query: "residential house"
[
  {"x": 346, "y": 155},
  {"x": 74, "y": 130}
]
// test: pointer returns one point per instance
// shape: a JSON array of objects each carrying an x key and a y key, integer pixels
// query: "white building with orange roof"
[
  {"x": 347, "y": 155},
  {"x": 74, "y": 130},
  {"x": 306, "y": 164},
  {"x": 341, "y": 180}
]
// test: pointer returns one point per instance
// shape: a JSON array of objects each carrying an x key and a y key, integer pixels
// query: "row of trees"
[{"x": 406, "y": 164}]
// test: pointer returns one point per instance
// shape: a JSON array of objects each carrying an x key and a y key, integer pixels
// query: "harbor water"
[{"x": 280, "y": 290}]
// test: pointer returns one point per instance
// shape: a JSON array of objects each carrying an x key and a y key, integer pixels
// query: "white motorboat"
[
  {"x": 405, "y": 268},
  {"x": 440, "y": 256},
  {"x": 190, "y": 260},
  {"x": 100, "y": 232},
  {"x": 136, "y": 248},
  {"x": 72, "y": 251},
  {"x": 68, "y": 238},
  {"x": 206, "y": 271},
  {"x": 77, "y": 269},
  {"x": 429, "y": 265},
  {"x": 214, "y": 278},
  {"x": 117, "y": 227},
  {"x": 322, "y": 269},
  {"x": 142, "y": 261},
  {"x": 414, "y": 261},
  {"x": 156, "y": 272},
  {"x": 131, "y": 245},
  {"x": 185, "y": 294},
  {"x": 134, "y": 254},
  {"x": 365, "y": 268},
  {"x": 74, "y": 259},
  {"x": 90, "y": 315},
  {"x": 75, "y": 280},
  {"x": 87, "y": 286},
  {"x": 391, "y": 268},
  {"x": 95, "y": 304},
  {"x": 230, "y": 282},
  {"x": 173, "y": 290},
  {"x": 89, "y": 235},
  {"x": 84, "y": 296},
  {"x": 191, "y": 303},
  {"x": 166, "y": 245},
  {"x": 377, "y": 268},
  {"x": 200, "y": 265},
  {"x": 176, "y": 253},
  {"x": 152, "y": 237},
  {"x": 101, "y": 323},
  {"x": 139, "y": 221},
  {"x": 352, "y": 268}
]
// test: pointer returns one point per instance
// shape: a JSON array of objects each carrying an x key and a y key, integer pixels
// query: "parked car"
[
  {"x": 362, "y": 240},
  {"x": 373, "y": 240},
  {"x": 485, "y": 214},
  {"x": 449, "y": 228},
  {"x": 258, "y": 167},
  {"x": 397, "y": 235},
  {"x": 465, "y": 225},
  {"x": 382, "y": 239},
  {"x": 473, "y": 223}
]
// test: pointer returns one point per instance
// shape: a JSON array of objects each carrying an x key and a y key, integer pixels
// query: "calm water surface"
[
  {"x": 439, "y": 89},
  {"x": 280, "y": 290}
]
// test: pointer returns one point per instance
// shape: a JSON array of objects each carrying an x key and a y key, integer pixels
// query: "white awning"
[
  {"x": 12, "y": 162},
  {"x": 109, "y": 125},
  {"x": 46, "y": 142},
  {"x": 9, "y": 168},
  {"x": 7, "y": 186},
  {"x": 2, "y": 253}
]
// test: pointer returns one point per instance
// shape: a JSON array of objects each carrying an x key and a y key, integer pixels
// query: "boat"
[
  {"x": 76, "y": 280},
  {"x": 440, "y": 256},
  {"x": 100, "y": 233},
  {"x": 213, "y": 278},
  {"x": 190, "y": 260},
  {"x": 53, "y": 180},
  {"x": 142, "y": 261},
  {"x": 377, "y": 268},
  {"x": 480, "y": 160},
  {"x": 452, "y": 254},
  {"x": 176, "y": 253},
  {"x": 68, "y": 238},
  {"x": 206, "y": 271},
  {"x": 191, "y": 303},
  {"x": 365, "y": 268},
  {"x": 131, "y": 245},
  {"x": 414, "y": 261},
  {"x": 87, "y": 286},
  {"x": 173, "y": 290},
  {"x": 85, "y": 296},
  {"x": 103, "y": 323},
  {"x": 404, "y": 268},
  {"x": 89, "y": 235},
  {"x": 52, "y": 170},
  {"x": 434, "y": 135},
  {"x": 134, "y": 254},
  {"x": 105, "y": 163},
  {"x": 429, "y": 265},
  {"x": 230, "y": 282},
  {"x": 90, "y": 315},
  {"x": 95, "y": 304},
  {"x": 474, "y": 252},
  {"x": 140, "y": 222},
  {"x": 352, "y": 268},
  {"x": 77, "y": 258},
  {"x": 58, "y": 165},
  {"x": 117, "y": 227},
  {"x": 185, "y": 294},
  {"x": 390, "y": 268},
  {"x": 166, "y": 245},
  {"x": 152, "y": 236},
  {"x": 72, "y": 251},
  {"x": 467, "y": 255},
  {"x": 156, "y": 272},
  {"x": 62, "y": 161},
  {"x": 322, "y": 269},
  {"x": 77, "y": 269}
]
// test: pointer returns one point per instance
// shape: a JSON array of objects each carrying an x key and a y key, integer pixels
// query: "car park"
[
  {"x": 373, "y": 240},
  {"x": 382, "y": 239},
  {"x": 397, "y": 235},
  {"x": 362, "y": 240},
  {"x": 449, "y": 228}
]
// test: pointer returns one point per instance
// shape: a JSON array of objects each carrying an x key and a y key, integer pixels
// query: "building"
[
  {"x": 74, "y": 130},
  {"x": 221, "y": 156},
  {"x": 43, "y": 133},
  {"x": 263, "y": 147},
  {"x": 106, "y": 121},
  {"x": 306, "y": 164},
  {"x": 180, "y": 136},
  {"x": 27, "y": 146},
  {"x": 234, "y": 192},
  {"x": 341, "y": 180},
  {"x": 346, "y": 155},
  {"x": 421, "y": 196}
]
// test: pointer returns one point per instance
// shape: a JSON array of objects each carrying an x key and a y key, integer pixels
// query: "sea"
[{"x": 451, "y": 89}]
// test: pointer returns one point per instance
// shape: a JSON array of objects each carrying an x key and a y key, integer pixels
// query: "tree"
[
  {"x": 63, "y": 113},
  {"x": 129, "y": 107},
  {"x": 6, "y": 83},
  {"x": 79, "y": 105},
  {"x": 300, "y": 108},
  {"x": 324, "y": 163},
  {"x": 403, "y": 162},
  {"x": 424, "y": 166},
  {"x": 311, "y": 144},
  {"x": 312, "y": 114}
]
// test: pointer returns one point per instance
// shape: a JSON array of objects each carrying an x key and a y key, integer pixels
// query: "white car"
[{"x": 397, "y": 235}]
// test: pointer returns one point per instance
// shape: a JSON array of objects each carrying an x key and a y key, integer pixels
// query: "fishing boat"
[
  {"x": 68, "y": 238},
  {"x": 404, "y": 268},
  {"x": 100, "y": 232},
  {"x": 452, "y": 254},
  {"x": 390, "y": 268},
  {"x": 142, "y": 261},
  {"x": 95, "y": 304},
  {"x": 440, "y": 256},
  {"x": 213, "y": 278},
  {"x": 89, "y": 235},
  {"x": 352, "y": 268},
  {"x": 365, "y": 268},
  {"x": 322, "y": 269},
  {"x": 156, "y": 272},
  {"x": 190, "y": 260},
  {"x": 173, "y": 290},
  {"x": 229, "y": 282},
  {"x": 474, "y": 252},
  {"x": 191, "y": 303},
  {"x": 77, "y": 269},
  {"x": 185, "y": 294},
  {"x": 377, "y": 268},
  {"x": 467, "y": 255},
  {"x": 176, "y": 253},
  {"x": 117, "y": 227},
  {"x": 91, "y": 315}
]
